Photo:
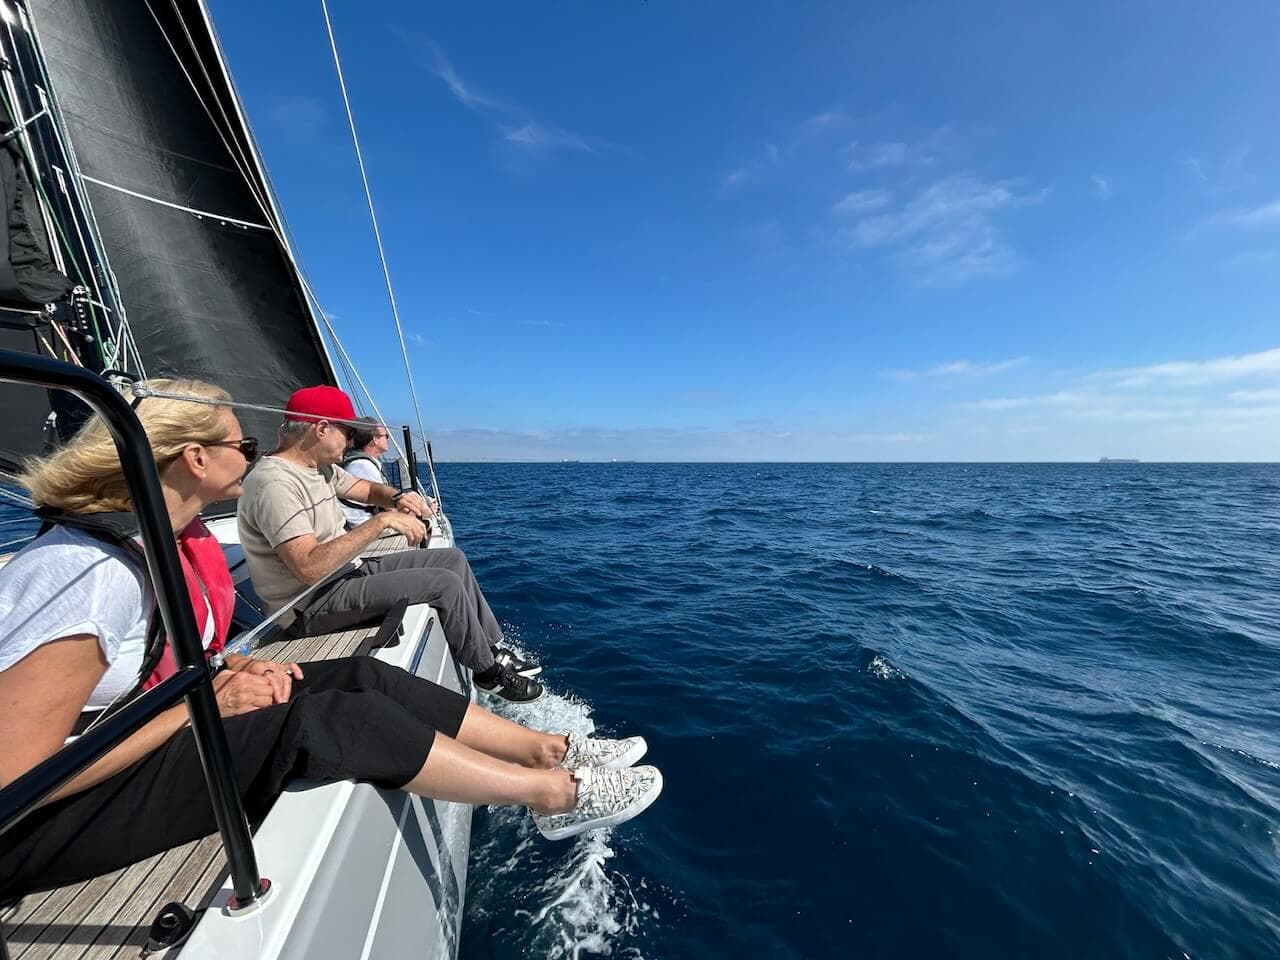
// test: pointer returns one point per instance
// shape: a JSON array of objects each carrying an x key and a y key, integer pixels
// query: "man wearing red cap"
[{"x": 294, "y": 535}]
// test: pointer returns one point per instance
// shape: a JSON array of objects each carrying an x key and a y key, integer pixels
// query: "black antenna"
[{"x": 413, "y": 460}]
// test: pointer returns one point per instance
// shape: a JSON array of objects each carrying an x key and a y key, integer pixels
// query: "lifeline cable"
[
  {"x": 142, "y": 391},
  {"x": 15, "y": 496}
]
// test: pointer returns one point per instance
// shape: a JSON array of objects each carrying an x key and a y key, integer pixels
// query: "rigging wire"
[
  {"x": 242, "y": 160},
  {"x": 57, "y": 328},
  {"x": 431, "y": 467},
  {"x": 373, "y": 217},
  {"x": 342, "y": 351},
  {"x": 54, "y": 353},
  {"x": 279, "y": 225}
]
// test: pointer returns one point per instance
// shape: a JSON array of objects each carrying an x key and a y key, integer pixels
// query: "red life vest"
[{"x": 207, "y": 576}]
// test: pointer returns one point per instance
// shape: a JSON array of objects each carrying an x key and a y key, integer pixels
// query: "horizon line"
[{"x": 633, "y": 460}]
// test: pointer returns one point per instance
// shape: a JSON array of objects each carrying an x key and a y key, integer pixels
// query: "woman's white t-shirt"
[{"x": 65, "y": 583}]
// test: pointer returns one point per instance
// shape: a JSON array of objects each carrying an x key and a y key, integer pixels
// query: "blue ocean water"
[{"x": 963, "y": 711}]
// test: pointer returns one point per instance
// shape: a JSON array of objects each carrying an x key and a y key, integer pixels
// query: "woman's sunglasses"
[{"x": 248, "y": 447}]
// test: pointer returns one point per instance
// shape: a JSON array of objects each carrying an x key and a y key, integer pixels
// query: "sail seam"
[{"x": 176, "y": 206}]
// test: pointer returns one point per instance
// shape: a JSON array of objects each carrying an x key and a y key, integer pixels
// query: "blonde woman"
[{"x": 74, "y": 614}]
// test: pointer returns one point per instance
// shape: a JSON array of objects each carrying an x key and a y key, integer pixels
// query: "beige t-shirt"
[{"x": 281, "y": 501}]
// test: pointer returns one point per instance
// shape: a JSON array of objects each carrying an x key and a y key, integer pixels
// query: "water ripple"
[{"x": 903, "y": 710}]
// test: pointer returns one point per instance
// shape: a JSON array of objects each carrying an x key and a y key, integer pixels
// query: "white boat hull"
[{"x": 356, "y": 872}]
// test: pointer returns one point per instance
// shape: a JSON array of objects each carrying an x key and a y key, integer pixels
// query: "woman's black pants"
[{"x": 348, "y": 719}]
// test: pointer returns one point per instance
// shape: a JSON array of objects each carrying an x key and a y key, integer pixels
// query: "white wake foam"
[
  {"x": 573, "y": 902},
  {"x": 883, "y": 669}
]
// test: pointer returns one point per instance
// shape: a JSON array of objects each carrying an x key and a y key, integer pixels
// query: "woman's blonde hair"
[{"x": 85, "y": 475}]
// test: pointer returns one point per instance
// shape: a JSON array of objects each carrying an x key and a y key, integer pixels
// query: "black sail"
[{"x": 180, "y": 198}]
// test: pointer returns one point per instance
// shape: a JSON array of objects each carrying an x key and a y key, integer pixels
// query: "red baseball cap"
[{"x": 319, "y": 403}]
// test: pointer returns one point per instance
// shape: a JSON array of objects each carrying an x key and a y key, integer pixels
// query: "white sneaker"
[
  {"x": 609, "y": 754},
  {"x": 606, "y": 798}
]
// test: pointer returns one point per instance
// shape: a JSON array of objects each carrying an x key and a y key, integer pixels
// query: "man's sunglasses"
[
  {"x": 346, "y": 429},
  {"x": 248, "y": 447}
]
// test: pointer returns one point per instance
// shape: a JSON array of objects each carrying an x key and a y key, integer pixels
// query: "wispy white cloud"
[
  {"x": 462, "y": 92},
  {"x": 513, "y": 123},
  {"x": 1102, "y": 185},
  {"x": 1254, "y": 258},
  {"x": 937, "y": 225},
  {"x": 948, "y": 229},
  {"x": 823, "y": 121},
  {"x": 891, "y": 153},
  {"x": 1220, "y": 172},
  {"x": 1109, "y": 408},
  {"x": 539, "y": 136},
  {"x": 969, "y": 369},
  {"x": 1186, "y": 397},
  {"x": 1171, "y": 386},
  {"x": 1059, "y": 398},
  {"x": 418, "y": 338},
  {"x": 1267, "y": 395},
  {"x": 1195, "y": 169},
  {"x": 796, "y": 140},
  {"x": 766, "y": 163},
  {"x": 543, "y": 323},
  {"x": 862, "y": 201},
  {"x": 1193, "y": 373},
  {"x": 1262, "y": 215}
]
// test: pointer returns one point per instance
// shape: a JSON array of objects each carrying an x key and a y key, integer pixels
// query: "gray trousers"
[{"x": 442, "y": 578}]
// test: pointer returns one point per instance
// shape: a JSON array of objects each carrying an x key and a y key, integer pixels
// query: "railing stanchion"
[
  {"x": 192, "y": 680},
  {"x": 412, "y": 459}
]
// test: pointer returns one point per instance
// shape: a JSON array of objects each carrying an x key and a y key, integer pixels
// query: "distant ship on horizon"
[{"x": 1118, "y": 460}]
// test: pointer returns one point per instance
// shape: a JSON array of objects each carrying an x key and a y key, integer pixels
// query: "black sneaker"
[
  {"x": 510, "y": 686},
  {"x": 524, "y": 668}
]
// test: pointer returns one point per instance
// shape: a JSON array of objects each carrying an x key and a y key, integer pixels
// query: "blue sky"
[{"x": 794, "y": 231}]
